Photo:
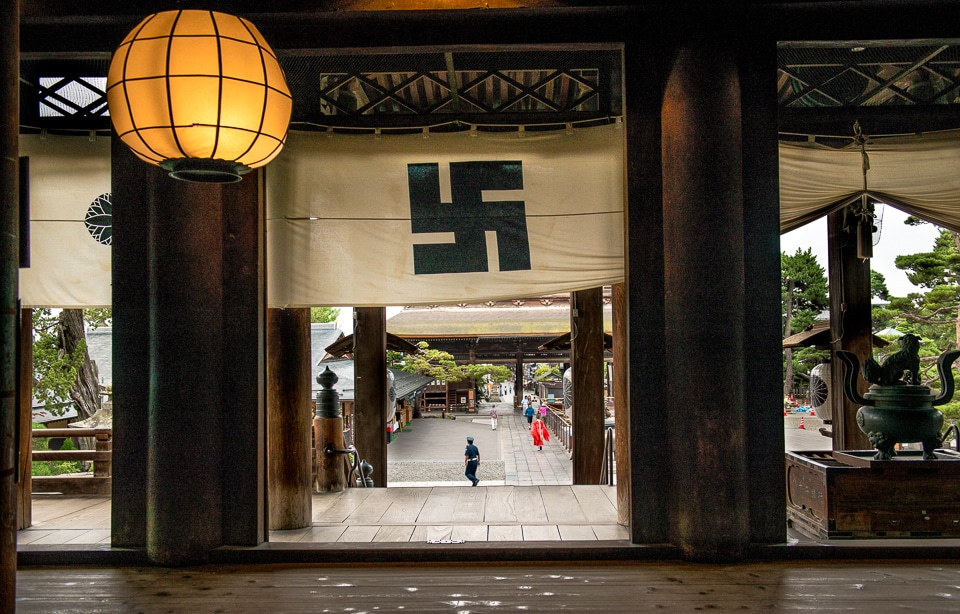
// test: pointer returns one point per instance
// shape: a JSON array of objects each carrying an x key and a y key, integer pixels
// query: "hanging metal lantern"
[{"x": 199, "y": 93}]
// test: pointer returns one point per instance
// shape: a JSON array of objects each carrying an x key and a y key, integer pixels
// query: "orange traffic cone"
[
  {"x": 801, "y": 424},
  {"x": 812, "y": 413},
  {"x": 784, "y": 411}
]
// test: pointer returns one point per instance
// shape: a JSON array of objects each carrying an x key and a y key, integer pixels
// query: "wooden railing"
[
  {"x": 560, "y": 428},
  {"x": 97, "y": 483}
]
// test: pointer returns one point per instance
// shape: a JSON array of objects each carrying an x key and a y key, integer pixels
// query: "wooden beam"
[
  {"x": 370, "y": 368},
  {"x": 25, "y": 385},
  {"x": 850, "y": 319},
  {"x": 243, "y": 356},
  {"x": 289, "y": 418},
  {"x": 586, "y": 322},
  {"x": 9, "y": 294},
  {"x": 129, "y": 176},
  {"x": 621, "y": 401},
  {"x": 838, "y": 121},
  {"x": 186, "y": 420}
]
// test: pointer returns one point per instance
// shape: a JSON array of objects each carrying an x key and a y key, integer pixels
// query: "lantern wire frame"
[{"x": 199, "y": 93}]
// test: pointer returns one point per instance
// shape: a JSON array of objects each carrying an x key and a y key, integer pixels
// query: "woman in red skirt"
[{"x": 540, "y": 433}]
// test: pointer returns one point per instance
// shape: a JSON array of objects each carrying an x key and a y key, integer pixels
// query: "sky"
[{"x": 896, "y": 238}]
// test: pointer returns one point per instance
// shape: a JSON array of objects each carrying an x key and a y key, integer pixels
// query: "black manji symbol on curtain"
[{"x": 468, "y": 217}]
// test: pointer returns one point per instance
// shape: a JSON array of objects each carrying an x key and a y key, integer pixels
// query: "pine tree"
[{"x": 803, "y": 296}]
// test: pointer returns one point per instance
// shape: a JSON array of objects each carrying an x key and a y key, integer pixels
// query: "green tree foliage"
[
  {"x": 441, "y": 366},
  {"x": 803, "y": 295},
  {"x": 319, "y": 315},
  {"x": 547, "y": 372},
  {"x": 933, "y": 315},
  {"x": 61, "y": 367}
]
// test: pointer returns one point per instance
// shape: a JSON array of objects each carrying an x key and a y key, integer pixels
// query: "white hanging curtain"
[
  {"x": 403, "y": 219},
  {"x": 917, "y": 174},
  {"x": 69, "y": 257}
]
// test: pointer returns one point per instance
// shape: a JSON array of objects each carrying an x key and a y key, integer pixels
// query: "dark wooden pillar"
[
  {"x": 644, "y": 273},
  {"x": 763, "y": 381},
  {"x": 25, "y": 377},
  {"x": 518, "y": 385},
  {"x": 289, "y": 419},
  {"x": 621, "y": 402},
  {"x": 705, "y": 311},
  {"x": 370, "y": 370},
  {"x": 131, "y": 344},
  {"x": 243, "y": 351},
  {"x": 586, "y": 358},
  {"x": 184, "y": 505},
  {"x": 9, "y": 295},
  {"x": 850, "y": 319}
]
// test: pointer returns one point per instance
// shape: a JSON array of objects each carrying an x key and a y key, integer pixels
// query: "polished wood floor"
[
  {"x": 617, "y": 587},
  {"x": 415, "y": 514}
]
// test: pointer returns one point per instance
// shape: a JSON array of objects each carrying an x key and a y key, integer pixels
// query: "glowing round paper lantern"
[{"x": 200, "y": 94}]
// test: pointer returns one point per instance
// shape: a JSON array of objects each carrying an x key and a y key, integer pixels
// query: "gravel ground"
[{"x": 440, "y": 471}]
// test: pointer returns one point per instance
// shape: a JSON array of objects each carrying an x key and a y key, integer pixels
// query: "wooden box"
[{"x": 833, "y": 495}]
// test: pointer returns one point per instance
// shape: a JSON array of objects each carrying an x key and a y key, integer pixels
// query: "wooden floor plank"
[
  {"x": 576, "y": 532},
  {"x": 324, "y": 534},
  {"x": 373, "y": 507},
  {"x": 289, "y": 535},
  {"x": 406, "y": 505},
  {"x": 562, "y": 505},
  {"x": 394, "y": 533},
  {"x": 359, "y": 533},
  {"x": 469, "y": 532},
  {"x": 500, "y": 504},
  {"x": 86, "y": 519},
  {"x": 470, "y": 505},
  {"x": 529, "y": 505},
  {"x": 62, "y": 536},
  {"x": 610, "y": 531},
  {"x": 504, "y": 533},
  {"x": 540, "y": 532},
  {"x": 423, "y": 533},
  {"x": 611, "y": 494},
  {"x": 344, "y": 504},
  {"x": 28, "y": 536},
  {"x": 92, "y": 536},
  {"x": 594, "y": 503},
  {"x": 440, "y": 505}
]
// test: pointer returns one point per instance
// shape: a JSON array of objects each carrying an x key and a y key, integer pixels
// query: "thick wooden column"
[
  {"x": 243, "y": 352},
  {"x": 9, "y": 293},
  {"x": 289, "y": 418},
  {"x": 644, "y": 273},
  {"x": 850, "y": 319},
  {"x": 370, "y": 371},
  {"x": 187, "y": 405},
  {"x": 25, "y": 377},
  {"x": 705, "y": 311},
  {"x": 130, "y": 255},
  {"x": 518, "y": 385},
  {"x": 621, "y": 402},
  {"x": 586, "y": 358},
  {"x": 763, "y": 383}
]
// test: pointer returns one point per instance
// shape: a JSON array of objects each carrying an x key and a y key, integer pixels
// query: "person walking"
[
  {"x": 493, "y": 418},
  {"x": 543, "y": 408},
  {"x": 539, "y": 432},
  {"x": 529, "y": 410},
  {"x": 471, "y": 461}
]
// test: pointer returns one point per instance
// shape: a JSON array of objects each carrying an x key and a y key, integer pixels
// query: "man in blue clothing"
[
  {"x": 471, "y": 460},
  {"x": 528, "y": 411}
]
